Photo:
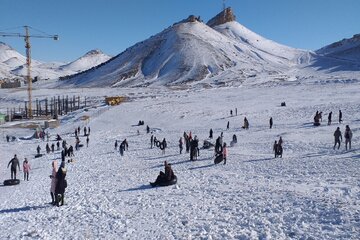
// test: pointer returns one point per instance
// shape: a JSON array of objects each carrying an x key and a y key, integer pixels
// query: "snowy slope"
[
  {"x": 89, "y": 60},
  {"x": 264, "y": 47},
  {"x": 346, "y": 49},
  {"x": 10, "y": 56},
  {"x": 310, "y": 193},
  {"x": 188, "y": 51},
  {"x": 13, "y": 64}
]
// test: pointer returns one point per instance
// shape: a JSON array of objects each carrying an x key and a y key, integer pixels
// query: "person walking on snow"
[
  {"x": 340, "y": 116},
  {"x": 228, "y": 125},
  {"x": 271, "y": 122},
  {"x": 151, "y": 141},
  {"x": 225, "y": 153},
  {"x": 14, "y": 162},
  {"x": 87, "y": 141},
  {"x": 338, "y": 137},
  {"x": 38, "y": 149},
  {"x": 116, "y": 144},
  {"x": 61, "y": 184},
  {"x": 329, "y": 118},
  {"x": 53, "y": 182},
  {"x": 26, "y": 169},
  {"x": 180, "y": 145},
  {"x": 348, "y": 136}
]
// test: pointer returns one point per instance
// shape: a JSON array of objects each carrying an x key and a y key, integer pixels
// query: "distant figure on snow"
[
  {"x": 38, "y": 149},
  {"x": 348, "y": 136},
  {"x": 271, "y": 122},
  {"x": 180, "y": 145},
  {"x": 224, "y": 152},
  {"x": 14, "y": 162},
  {"x": 53, "y": 182},
  {"x": 338, "y": 137},
  {"x": 26, "y": 169},
  {"x": 340, "y": 116},
  {"x": 116, "y": 144},
  {"x": 329, "y": 118},
  {"x": 246, "y": 123}
]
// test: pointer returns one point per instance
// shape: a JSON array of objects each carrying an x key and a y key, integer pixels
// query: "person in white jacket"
[
  {"x": 53, "y": 182},
  {"x": 348, "y": 136}
]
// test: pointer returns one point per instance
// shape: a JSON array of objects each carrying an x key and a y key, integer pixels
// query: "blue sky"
[{"x": 114, "y": 25}]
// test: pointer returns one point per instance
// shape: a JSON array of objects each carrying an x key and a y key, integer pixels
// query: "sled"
[
  {"x": 10, "y": 182},
  {"x": 165, "y": 183},
  {"x": 218, "y": 159},
  {"x": 207, "y": 144},
  {"x": 38, "y": 155}
]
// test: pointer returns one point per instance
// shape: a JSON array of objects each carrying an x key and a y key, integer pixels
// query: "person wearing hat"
[
  {"x": 26, "y": 169},
  {"x": 14, "y": 162},
  {"x": 338, "y": 137}
]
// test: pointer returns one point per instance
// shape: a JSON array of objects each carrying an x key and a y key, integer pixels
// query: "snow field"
[{"x": 310, "y": 193}]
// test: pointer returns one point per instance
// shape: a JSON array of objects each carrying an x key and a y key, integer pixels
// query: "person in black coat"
[
  {"x": 340, "y": 116},
  {"x": 329, "y": 118},
  {"x": 61, "y": 184}
]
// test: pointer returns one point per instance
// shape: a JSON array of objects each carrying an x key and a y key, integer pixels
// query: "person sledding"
[
  {"x": 165, "y": 179},
  {"x": 219, "y": 155}
]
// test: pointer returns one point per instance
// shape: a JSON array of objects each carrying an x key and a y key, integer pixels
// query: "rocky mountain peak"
[{"x": 224, "y": 16}]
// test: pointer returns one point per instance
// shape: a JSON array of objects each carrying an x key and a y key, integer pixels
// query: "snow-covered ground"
[{"x": 310, "y": 193}]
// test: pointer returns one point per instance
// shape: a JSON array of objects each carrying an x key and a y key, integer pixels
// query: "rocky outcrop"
[{"x": 224, "y": 16}]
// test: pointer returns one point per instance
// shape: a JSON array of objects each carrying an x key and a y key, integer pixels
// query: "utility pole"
[{"x": 28, "y": 65}]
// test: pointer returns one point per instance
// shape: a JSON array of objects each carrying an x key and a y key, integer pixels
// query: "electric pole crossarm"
[{"x": 27, "y": 37}]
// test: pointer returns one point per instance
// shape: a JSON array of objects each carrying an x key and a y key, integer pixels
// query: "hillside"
[
  {"x": 13, "y": 64},
  {"x": 190, "y": 52}
]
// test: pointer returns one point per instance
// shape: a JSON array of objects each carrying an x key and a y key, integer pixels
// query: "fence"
[{"x": 49, "y": 108}]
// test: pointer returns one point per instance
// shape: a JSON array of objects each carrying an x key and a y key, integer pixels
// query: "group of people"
[
  {"x": 58, "y": 183},
  {"x": 277, "y": 148},
  {"x": 347, "y": 135},
  {"x": 86, "y": 131},
  {"x": 318, "y": 118},
  {"x": 14, "y": 162},
  {"x": 124, "y": 146}
]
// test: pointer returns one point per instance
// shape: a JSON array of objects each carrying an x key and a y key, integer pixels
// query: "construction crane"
[{"x": 27, "y": 37}]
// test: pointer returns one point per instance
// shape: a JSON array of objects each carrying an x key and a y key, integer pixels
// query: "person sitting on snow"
[{"x": 164, "y": 177}]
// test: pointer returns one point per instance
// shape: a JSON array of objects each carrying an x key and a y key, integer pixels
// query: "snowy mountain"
[
  {"x": 89, "y": 60},
  {"x": 13, "y": 64},
  {"x": 189, "y": 52},
  {"x": 192, "y": 53},
  {"x": 346, "y": 49}
]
